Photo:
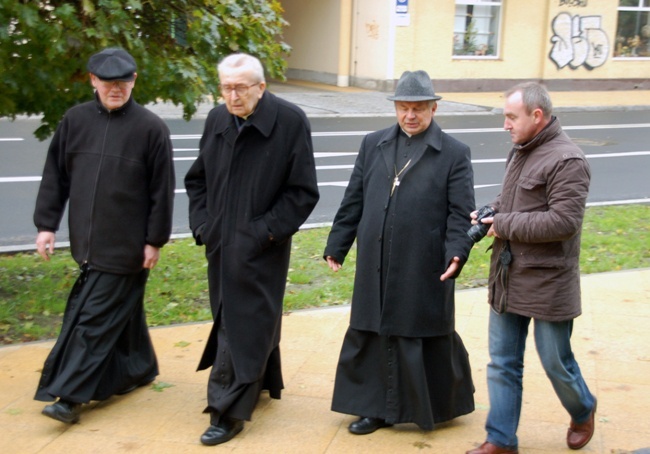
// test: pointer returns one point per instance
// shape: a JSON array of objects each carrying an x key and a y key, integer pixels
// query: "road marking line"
[
  {"x": 449, "y": 131},
  {"x": 364, "y": 133},
  {"x": 18, "y": 179}
]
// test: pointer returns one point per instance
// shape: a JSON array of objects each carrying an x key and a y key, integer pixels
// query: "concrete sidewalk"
[{"x": 611, "y": 343}]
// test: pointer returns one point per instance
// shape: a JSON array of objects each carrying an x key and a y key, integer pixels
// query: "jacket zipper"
[{"x": 86, "y": 260}]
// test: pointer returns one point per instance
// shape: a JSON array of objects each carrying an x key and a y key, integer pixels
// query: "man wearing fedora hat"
[
  {"x": 110, "y": 161},
  {"x": 407, "y": 206}
]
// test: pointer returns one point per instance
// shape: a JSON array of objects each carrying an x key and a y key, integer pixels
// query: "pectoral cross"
[
  {"x": 396, "y": 179},
  {"x": 395, "y": 184}
]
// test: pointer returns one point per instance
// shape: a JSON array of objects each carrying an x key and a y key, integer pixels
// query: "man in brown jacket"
[{"x": 534, "y": 269}]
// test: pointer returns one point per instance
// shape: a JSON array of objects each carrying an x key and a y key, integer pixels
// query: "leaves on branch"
[{"x": 45, "y": 45}]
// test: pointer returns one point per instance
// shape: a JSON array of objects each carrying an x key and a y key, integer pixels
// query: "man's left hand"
[{"x": 452, "y": 269}]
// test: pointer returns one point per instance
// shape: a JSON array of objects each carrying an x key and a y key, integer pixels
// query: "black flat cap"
[
  {"x": 414, "y": 86},
  {"x": 112, "y": 64}
]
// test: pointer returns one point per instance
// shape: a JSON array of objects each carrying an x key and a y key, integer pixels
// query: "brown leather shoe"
[
  {"x": 489, "y": 448},
  {"x": 579, "y": 435}
]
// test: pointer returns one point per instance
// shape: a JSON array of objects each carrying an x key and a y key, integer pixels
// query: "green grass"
[{"x": 33, "y": 292}]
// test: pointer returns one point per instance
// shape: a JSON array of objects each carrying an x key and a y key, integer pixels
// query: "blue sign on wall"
[{"x": 402, "y": 6}]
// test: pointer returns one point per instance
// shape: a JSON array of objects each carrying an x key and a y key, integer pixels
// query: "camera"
[{"x": 478, "y": 231}]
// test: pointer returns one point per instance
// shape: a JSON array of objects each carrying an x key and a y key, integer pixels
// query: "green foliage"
[
  {"x": 45, "y": 45},
  {"x": 33, "y": 293}
]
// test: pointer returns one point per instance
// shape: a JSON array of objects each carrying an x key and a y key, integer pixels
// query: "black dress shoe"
[
  {"x": 64, "y": 411},
  {"x": 365, "y": 426},
  {"x": 224, "y": 431}
]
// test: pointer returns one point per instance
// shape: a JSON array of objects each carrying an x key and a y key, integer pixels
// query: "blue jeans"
[{"x": 507, "y": 339}]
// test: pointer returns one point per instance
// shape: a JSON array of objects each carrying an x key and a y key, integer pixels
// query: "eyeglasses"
[
  {"x": 121, "y": 84},
  {"x": 241, "y": 90}
]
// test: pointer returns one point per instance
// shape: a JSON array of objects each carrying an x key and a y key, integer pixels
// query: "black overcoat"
[
  {"x": 430, "y": 218},
  {"x": 249, "y": 192}
]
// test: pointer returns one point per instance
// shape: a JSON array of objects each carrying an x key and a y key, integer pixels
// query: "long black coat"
[
  {"x": 431, "y": 210},
  {"x": 249, "y": 193}
]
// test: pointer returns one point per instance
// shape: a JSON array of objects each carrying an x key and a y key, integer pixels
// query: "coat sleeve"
[
  {"x": 162, "y": 183},
  {"x": 460, "y": 204},
  {"x": 348, "y": 216},
  {"x": 54, "y": 189},
  {"x": 196, "y": 187}
]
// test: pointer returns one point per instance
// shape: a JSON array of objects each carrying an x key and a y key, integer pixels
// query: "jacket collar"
[
  {"x": 262, "y": 118},
  {"x": 550, "y": 131},
  {"x": 119, "y": 111},
  {"x": 432, "y": 136},
  {"x": 432, "y": 140}
]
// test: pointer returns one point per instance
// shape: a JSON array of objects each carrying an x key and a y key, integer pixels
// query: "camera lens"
[{"x": 478, "y": 231}]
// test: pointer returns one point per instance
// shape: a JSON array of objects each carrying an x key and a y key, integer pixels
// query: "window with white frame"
[
  {"x": 633, "y": 29},
  {"x": 477, "y": 24}
]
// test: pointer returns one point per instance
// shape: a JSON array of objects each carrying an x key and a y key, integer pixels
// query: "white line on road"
[
  {"x": 498, "y": 160},
  {"x": 18, "y": 179},
  {"x": 618, "y": 155},
  {"x": 344, "y": 184},
  {"x": 335, "y": 167},
  {"x": 618, "y": 202},
  {"x": 363, "y": 133},
  {"x": 185, "y": 136},
  {"x": 351, "y": 166},
  {"x": 449, "y": 131}
]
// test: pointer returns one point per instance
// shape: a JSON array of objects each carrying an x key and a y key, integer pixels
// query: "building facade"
[{"x": 471, "y": 45}]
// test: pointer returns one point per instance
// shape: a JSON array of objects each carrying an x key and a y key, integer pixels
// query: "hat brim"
[
  {"x": 414, "y": 98},
  {"x": 125, "y": 78}
]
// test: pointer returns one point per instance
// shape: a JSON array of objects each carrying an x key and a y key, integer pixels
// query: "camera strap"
[{"x": 505, "y": 258}]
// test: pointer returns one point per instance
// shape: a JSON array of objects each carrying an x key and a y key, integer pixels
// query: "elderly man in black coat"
[
  {"x": 111, "y": 162},
  {"x": 407, "y": 205},
  {"x": 250, "y": 189}
]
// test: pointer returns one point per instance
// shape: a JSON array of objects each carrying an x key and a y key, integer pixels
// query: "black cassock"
[
  {"x": 104, "y": 345},
  {"x": 421, "y": 380}
]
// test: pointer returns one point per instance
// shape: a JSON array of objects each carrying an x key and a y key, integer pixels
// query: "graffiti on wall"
[
  {"x": 578, "y": 41},
  {"x": 576, "y": 3}
]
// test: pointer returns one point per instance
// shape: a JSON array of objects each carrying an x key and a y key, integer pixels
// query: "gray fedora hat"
[
  {"x": 112, "y": 64},
  {"x": 414, "y": 86}
]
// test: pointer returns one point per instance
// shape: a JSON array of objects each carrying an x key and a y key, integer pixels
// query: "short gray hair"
[
  {"x": 534, "y": 96},
  {"x": 237, "y": 62}
]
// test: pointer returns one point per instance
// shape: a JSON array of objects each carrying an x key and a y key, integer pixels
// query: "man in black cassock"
[
  {"x": 407, "y": 205},
  {"x": 111, "y": 160},
  {"x": 250, "y": 189}
]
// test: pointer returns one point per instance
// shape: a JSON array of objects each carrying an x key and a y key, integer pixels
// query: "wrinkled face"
[
  {"x": 113, "y": 94},
  {"x": 415, "y": 117},
  {"x": 241, "y": 91},
  {"x": 521, "y": 125}
]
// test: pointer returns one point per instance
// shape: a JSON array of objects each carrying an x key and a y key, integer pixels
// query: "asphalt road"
[{"x": 616, "y": 144}]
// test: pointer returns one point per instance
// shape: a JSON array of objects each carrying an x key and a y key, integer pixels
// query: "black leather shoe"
[
  {"x": 64, "y": 411},
  {"x": 365, "y": 426},
  {"x": 224, "y": 431}
]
